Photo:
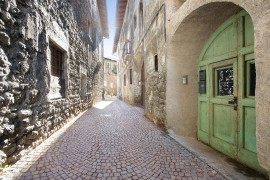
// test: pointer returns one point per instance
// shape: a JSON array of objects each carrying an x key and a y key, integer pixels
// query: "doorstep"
[{"x": 230, "y": 168}]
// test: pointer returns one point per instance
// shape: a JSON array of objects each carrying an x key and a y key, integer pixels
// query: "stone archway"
[{"x": 190, "y": 28}]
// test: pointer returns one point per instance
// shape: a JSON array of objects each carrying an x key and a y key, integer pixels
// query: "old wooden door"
[
  {"x": 223, "y": 106},
  {"x": 227, "y": 85}
]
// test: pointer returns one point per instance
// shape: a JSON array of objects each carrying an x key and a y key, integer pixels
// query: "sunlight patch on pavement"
[{"x": 102, "y": 104}]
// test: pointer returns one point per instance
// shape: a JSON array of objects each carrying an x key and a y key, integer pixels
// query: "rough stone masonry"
[{"x": 28, "y": 114}]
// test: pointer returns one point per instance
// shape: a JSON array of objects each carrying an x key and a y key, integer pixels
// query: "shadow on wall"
[{"x": 91, "y": 28}]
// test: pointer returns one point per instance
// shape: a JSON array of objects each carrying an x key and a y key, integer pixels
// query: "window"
[
  {"x": 125, "y": 79},
  {"x": 130, "y": 77},
  {"x": 156, "y": 63},
  {"x": 56, "y": 62},
  {"x": 127, "y": 47},
  {"x": 108, "y": 65},
  {"x": 114, "y": 70},
  {"x": 134, "y": 22},
  {"x": 250, "y": 78},
  {"x": 141, "y": 17},
  {"x": 89, "y": 28},
  {"x": 105, "y": 83},
  {"x": 57, "y": 82}
]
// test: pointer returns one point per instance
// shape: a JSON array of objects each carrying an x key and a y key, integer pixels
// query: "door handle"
[{"x": 234, "y": 102}]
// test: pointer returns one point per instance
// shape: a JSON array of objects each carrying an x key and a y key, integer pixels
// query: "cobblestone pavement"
[{"x": 116, "y": 142}]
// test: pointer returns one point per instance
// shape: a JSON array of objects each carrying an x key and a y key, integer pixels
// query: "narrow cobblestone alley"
[{"x": 117, "y": 142}]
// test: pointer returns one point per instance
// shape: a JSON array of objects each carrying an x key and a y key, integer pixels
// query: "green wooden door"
[
  {"x": 226, "y": 99},
  {"x": 222, "y": 101}
]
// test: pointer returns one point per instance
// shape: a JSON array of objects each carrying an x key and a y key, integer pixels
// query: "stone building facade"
[
  {"x": 212, "y": 80},
  {"x": 142, "y": 63},
  {"x": 110, "y": 77},
  {"x": 51, "y": 56}
]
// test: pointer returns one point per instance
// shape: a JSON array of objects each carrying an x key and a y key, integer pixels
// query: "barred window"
[
  {"x": 57, "y": 58},
  {"x": 57, "y": 82}
]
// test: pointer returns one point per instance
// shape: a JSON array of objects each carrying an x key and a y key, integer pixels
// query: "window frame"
[
  {"x": 59, "y": 67},
  {"x": 58, "y": 90}
]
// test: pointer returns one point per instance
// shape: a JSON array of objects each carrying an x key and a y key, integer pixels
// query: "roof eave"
[
  {"x": 102, "y": 6},
  {"x": 119, "y": 18}
]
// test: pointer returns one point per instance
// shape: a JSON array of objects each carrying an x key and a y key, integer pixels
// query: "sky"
[{"x": 108, "y": 43}]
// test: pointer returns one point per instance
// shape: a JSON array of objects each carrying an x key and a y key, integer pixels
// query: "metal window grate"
[{"x": 57, "y": 64}]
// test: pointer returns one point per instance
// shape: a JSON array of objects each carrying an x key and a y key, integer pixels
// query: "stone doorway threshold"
[{"x": 230, "y": 168}]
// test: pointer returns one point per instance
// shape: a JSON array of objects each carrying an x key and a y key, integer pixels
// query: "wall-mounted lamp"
[{"x": 184, "y": 79}]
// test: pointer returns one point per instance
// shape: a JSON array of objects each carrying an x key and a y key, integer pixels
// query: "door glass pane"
[
  {"x": 252, "y": 79},
  {"x": 225, "y": 82}
]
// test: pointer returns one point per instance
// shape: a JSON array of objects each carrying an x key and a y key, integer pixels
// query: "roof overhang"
[
  {"x": 120, "y": 15},
  {"x": 109, "y": 59},
  {"x": 102, "y": 7}
]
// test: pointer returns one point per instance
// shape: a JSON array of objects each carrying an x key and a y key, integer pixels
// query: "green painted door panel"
[
  {"x": 204, "y": 122},
  {"x": 225, "y": 42},
  {"x": 223, "y": 123},
  {"x": 203, "y": 118},
  {"x": 248, "y": 31},
  {"x": 249, "y": 129},
  {"x": 203, "y": 136},
  {"x": 223, "y": 147}
]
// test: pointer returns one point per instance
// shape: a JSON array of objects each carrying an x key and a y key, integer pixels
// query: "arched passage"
[
  {"x": 226, "y": 99},
  {"x": 183, "y": 55},
  {"x": 186, "y": 39}
]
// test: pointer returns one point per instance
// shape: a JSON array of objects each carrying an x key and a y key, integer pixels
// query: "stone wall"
[
  {"x": 125, "y": 54},
  {"x": 146, "y": 42},
  {"x": 155, "y": 81},
  {"x": 27, "y": 113}
]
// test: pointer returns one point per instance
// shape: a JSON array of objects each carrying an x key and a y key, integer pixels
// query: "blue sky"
[{"x": 108, "y": 43}]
